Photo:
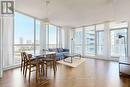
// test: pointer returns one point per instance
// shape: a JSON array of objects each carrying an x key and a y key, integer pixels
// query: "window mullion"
[{"x": 34, "y": 36}]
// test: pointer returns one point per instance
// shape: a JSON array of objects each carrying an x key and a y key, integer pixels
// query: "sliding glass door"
[
  {"x": 54, "y": 36},
  {"x": 118, "y": 45},
  {"x": 77, "y": 40},
  {"x": 100, "y": 42},
  {"x": 37, "y": 37},
  {"x": 90, "y": 40},
  {"x": 100, "y": 39}
]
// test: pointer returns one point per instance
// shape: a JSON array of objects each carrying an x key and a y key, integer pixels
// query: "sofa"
[{"x": 60, "y": 52}]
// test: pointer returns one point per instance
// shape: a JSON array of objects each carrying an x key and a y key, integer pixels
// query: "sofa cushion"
[
  {"x": 60, "y": 52},
  {"x": 60, "y": 49},
  {"x": 53, "y": 49},
  {"x": 59, "y": 56},
  {"x": 50, "y": 49},
  {"x": 66, "y": 50},
  {"x": 65, "y": 53}
]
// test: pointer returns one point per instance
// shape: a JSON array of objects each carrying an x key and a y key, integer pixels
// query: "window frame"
[
  {"x": 96, "y": 42},
  {"x": 85, "y": 45},
  {"x": 127, "y": 39},
  {"x": 78, "y": 45},
  {"x": 34, "y": 33},
  {"x": 58, "y": 36}
]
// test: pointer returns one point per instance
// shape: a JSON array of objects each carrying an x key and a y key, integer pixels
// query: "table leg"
[
  {"x": 37, "y": 72},
  {"x": 71, "y": 60},
  {"x": 119, "y": 68}
]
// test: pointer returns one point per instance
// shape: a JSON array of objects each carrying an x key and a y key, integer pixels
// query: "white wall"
[
  {"x": 1, "y": 63},
  {"x": 7, "y": 42},
  {"x": 67, "y": 37},
  {"x": 42, "y": 36}
]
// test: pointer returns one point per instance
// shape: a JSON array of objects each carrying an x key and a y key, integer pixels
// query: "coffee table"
[{"x": 71, "y": 55}]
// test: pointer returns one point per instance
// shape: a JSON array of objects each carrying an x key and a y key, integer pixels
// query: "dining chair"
[
  {"x": 50, "y": 60},
  {"x": 22, "y": 62},
  {"x": 31, "y": 63}
]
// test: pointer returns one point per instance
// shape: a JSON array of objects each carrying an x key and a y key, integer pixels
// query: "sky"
[{"x": 24, "y": 28}]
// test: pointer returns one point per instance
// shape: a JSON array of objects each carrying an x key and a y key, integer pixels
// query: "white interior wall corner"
[
  {"x": 7, "y": 41},
  {"x": 67, "y": 36},
  {"x": 106, "y": 41},
  {"x": 129, "y": 39},
  {"x": 1, "y": 63},
  {"x": 42, "y": 36}
]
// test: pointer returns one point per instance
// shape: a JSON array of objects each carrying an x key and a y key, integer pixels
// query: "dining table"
[{"x": 38, "y": 57}]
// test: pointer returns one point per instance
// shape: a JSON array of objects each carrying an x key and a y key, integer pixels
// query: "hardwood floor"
[{"x": 92, "y": 73}]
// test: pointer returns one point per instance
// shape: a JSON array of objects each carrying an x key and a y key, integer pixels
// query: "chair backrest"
[
  {"x": 53, "y": 56},
  {"x": 27, "y": 57},
  {"x": 48, "y": 56},
  {"x": 22, "y": 56}
]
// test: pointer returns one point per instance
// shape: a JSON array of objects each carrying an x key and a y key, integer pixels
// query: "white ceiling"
[{"x": 72, "y": 13}]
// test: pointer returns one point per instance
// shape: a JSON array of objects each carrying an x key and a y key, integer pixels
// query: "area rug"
[{"x": 75, "y": 62}]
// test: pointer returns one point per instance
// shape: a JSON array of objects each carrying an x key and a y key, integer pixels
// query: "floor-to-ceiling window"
[
  {"x": 118, "y": 45},
  {"x": 100, "y": 39},
  {"x": 26, "y": 35},
  {"x": 62, "y": 38},
  {"x": 94, "y": 39},
  {"x": 77, "y": 40},
  {"x": 54, "y": 36},
  {"x": 37, "y": 37},
  {"x": 90, "y": 40}
]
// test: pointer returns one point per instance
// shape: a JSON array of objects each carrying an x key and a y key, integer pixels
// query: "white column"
[
  {"x": 62, "y": 41},
  {"x": 60, "y": 37},
  {"x": 67, "y": 35},
  {"x": 1, "y": 58},
  {"x": 42, "y": 36},
  {"x": 7, "y": 41},
  {"x": 129, "y": 40},
  {"x": 107, "y": 41},
  {"x": 83, "y": 42},
  {"x": 72, "y": 40}
]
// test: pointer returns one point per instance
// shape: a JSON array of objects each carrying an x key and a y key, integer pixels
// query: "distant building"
[
  {"x": 28, "y": 42},
  {"x": 21, "y": 40}
]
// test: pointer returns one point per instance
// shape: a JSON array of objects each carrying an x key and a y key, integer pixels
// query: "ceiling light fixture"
[{"x": 46, "y": 19}]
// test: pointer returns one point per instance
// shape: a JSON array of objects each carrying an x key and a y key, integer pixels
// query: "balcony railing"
[{"x": 29, "y": 48}]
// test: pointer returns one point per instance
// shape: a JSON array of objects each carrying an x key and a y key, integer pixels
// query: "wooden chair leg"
[
  {"x": 26, "y": 67},
  {"x": 54, "y": 67},
  {"x": 29, "y": 73},
  {"x": 43, "y": 70},
  {"x": 21, "y": 66},
  {"x": 43, "y": 73},
  {"x": 37, "y": 70},
  {"x": 46, "y": 70}
]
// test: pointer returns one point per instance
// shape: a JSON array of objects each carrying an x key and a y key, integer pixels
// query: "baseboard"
[
  {"x": 11, "y": 67},
  {"x": 102, "y": 58}
]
